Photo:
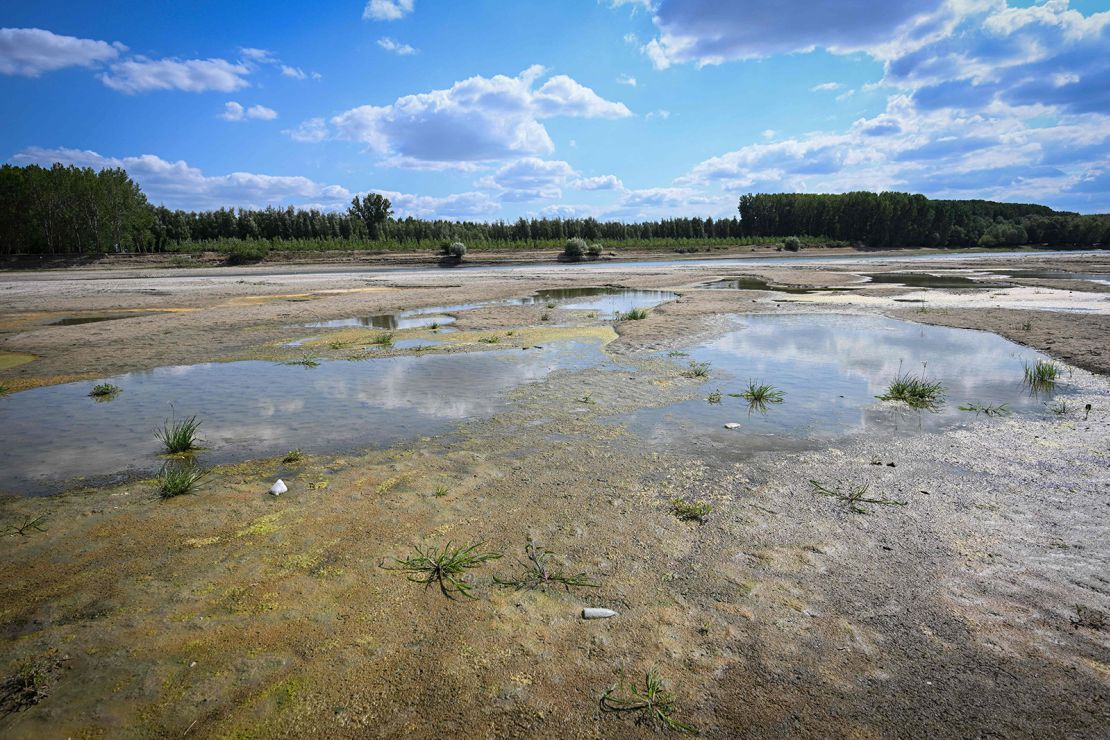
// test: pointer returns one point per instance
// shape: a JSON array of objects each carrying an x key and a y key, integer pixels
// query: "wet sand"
[{"x": 971, "y": 610}]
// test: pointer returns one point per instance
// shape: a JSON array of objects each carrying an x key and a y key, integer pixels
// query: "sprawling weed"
[
  {"x": 989, "y": 409},
  {"x": 105, "y": 391},
  {"x": 292, "y": 457},
  {"x": 30, "y": 523},
  {"x": 653, "y": 702},
  {"x": 539, "y": 575},
  {"x": 691, "y": 511},
  {"x": 445, "y": 566},
  {"x": 854, "y": 496},
  {"x": 178, "y": 435}
]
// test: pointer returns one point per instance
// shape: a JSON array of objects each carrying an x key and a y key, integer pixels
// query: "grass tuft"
[
  {"x": 292, "y": 457},
  {"x": 697, "y": 369},
  {"x": 691, "y": 511},
  {"x": 440, "y": 491},
  {"x": 854, "y": 496},
  {"x": 305, "y": 361},
  {"x": 634, "y": 314},
  {"x": 654, "y": 703},
  {"x": 489, "y": 339},
  {"x": 1042, "y": 374},
  {"x": 916, "y": 392},
  {"x": 445, "y": 567},
  {"x": 105, "y": 391},
  {"x": 545, "y": 316},
  {"x": 989, "y": 409},
  {"x": 178, "y": 436},
  {"x": 714, "y": 397},
  {"x": 758, "y": 395},
  {"x": 383, "y": 340},
  {"x": 177, "y": 480},
  {"x": 538, "y": 574},
  {"x": 30, "y": 524}
]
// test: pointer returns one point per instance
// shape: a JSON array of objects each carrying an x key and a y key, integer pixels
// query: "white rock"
[
  {"x": 598, "y": 613},
  {"x": 732, "y": 425},
  {"x": 279, "y": 488}
]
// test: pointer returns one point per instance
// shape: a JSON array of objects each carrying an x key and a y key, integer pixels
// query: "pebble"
[
  {"x": 731, "y": 425},
  {"x": 598, "y": 613},
  {"x": 279, "y": 488}
]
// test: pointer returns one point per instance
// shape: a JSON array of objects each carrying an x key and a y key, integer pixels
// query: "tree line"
[{"x": 62, "y": 210}]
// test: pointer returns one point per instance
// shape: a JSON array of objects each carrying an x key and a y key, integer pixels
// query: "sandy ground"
[{"x": 976, "y": 609}]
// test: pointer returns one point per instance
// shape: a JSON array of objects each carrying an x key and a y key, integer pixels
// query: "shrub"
[
  {"x": 792, "y": 244},
  {"x": 246, "y": 252},
  {"x": 594, "y": 250},
  {"x": 575, "y": 248},
  {"x": 456, "y": 250}
]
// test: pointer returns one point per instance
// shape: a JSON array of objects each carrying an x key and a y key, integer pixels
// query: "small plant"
[
  {"x": 714, "y": 397},
  {"x": 538, "y": 574},
  {"x": 854, "y": 496},
  {"x": 23, "y": 689},
  {"x": 177, "y": 480},
  {"x": 792, "y": 244},
  {"x": 594, "y": 250},
  {"x": 383, "y": 340},
  {"x": 509, "y": 333},
  {"x": 691, "y": 511},
  {"x": 550, "y": 304},
  {"x": 178, "y": 436},
  {"x": 677, "y": 353},
  {"x": 586, "y": 399},
  {"x": 633, "y": 314},
  {"x": 105, "y": 390},
  {"x": 989, "y": 409},
  {"x": 1060, "y": 408},
  {"x": 697, "y": 369},
  {"x": 440, "y": 491},
  {"x": 915, "y": 392},
  {"x": 434, "y": 325},
  {"x": 545, "y": 316},
  {"x": 4, "y": 390},
  {"x": 1042, "y": 374},
  {"x": 30, "y": 523},
  {"x": 305, "y": 361},
  {"x": 575, "y": 248},
  {"x": 445, "y": 567},
  {"x": 292, "y": 457},
  {"x": 491, "y": 339},
  {"x": 655, "y": 704},
  {"x": 339, "y": 344},
  {"x": 761, "y": 394},
  {"x": 455, "y": 250},
  {"x": 1027, "y": 326}
]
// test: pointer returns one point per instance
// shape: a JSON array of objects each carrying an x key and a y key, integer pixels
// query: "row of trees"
[
  {"x": 66, "y": 210},
  {"x": 902, "y": 219}
]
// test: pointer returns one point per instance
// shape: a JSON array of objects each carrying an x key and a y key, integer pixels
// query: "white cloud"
[
  {"x": 232, "y": 111},
  {"x": 661, "y": 114},
  {"x": 479, "y": 119},
  {"x": 826, "y": 87},
  {"x": 529, "y": 178},
  {"x": 395, "y": 47},
  {"x": 626, "y": 80},
  {"x": 261, "y": 113},
  {"x": 191, "y": 75},
  {"x": 262, "y": 56},
  {"x": 472, "y": 205},
  {"x": 32, "y": 51},
  {"x": 601, "y": 182},
  {"x": 387, "y": 10},
  {"x": 311, "y": 131},
  {"x": 295, "y": 72},
  {"x": 180, "y": 186}
]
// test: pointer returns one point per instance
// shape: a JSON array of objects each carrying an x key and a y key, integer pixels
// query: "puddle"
[
  {"x": 1094, "y": 277},
  {"x": 606, "y": 301},
  {"x": 752, "y": 283},
  {"x": 830, "y": 369},
  {"x": 300, "y": 342},
  {"x": 925, "y": 280},
  {"x": 416, "y": 319},
  {"x": 78, "y": 320},
  {"x": 256, "y": 409},
  {"x": 417, "y": 343}
]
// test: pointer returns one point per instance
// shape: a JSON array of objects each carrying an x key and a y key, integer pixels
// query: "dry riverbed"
[{"x": 972, "y": 602}]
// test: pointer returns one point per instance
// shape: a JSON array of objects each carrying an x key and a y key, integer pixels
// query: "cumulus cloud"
[
  {"x": 671, "y": 201},
  {"x": 387, "y": 10},
  {"x": 395, "y": 47},
  {"x": 476, "y": 120},
  {"x": 529, "y": 178},
  {"x": 826, "y": 87},
  {"x": 311, "y": 131},
  {"x": 191, "y": 75},
  {"x": 626, "y": 80},
  {"x": 234, "y": 111},
  {"x": 31, "y": 51},
  {"x": 601, "y": 182},
  {"x": 178, "y": 185}
]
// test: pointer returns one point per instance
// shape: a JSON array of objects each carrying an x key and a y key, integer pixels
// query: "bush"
[
  {"x": 792, "y": 244},
  {"x": 245, "y": 252},
  {"x": 594, "y": 250},
  {"x": 456, "y": 250},
  {"x": 575, "y": 248}
]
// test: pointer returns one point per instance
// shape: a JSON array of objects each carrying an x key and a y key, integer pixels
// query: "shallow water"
[
  {"x": 79, "y": 320},
  {"x": 926, "y": 280},
  {"x": 606, "y": 301},
  {"x": 752, "y": 283},
  {"x": 257, "y": 409},
  {"x": 1094, "y": 277},
  {"x": 830, "y": 369},
  {"x": 416, "y": 319}
]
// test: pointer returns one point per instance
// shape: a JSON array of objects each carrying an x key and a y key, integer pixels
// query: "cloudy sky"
[{"x": 621, "y": 109}]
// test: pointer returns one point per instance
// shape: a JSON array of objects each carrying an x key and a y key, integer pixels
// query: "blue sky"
[{"x": 622, "y": 109}]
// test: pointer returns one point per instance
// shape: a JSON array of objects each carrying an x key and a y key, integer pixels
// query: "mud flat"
[{"x": 864, "y": 569}]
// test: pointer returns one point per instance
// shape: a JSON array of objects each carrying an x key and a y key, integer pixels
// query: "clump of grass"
[
  {"x": 545, "y": 316},
  {"x": 178, "y": 435},
  {"x": 1060, "y": 408},
  {"x": 633, "y": 314},
  {"x": 4, "y": 390},
  {"x": 587, "y": 398},
  {"x": 292, "y": 457},
  {"x": 31, "y": 523},
  {"x": 105, "y": 390},
  {"x": 440, "y": 491},
  {"x": 691, "y": 511},
  {"x": 759, "y": 395},
  {"x": 383, "y": 340},
  {"x": 1042, "y": 374},
  {"x": 855, "y": 495},
  {"x": 714, "y": 397},
  {"x": 1027, "y": 326},
  {"x": 177, "y": 480},
  {"x": 916, "y": 392},
  {"x": 339, "y": 344},
  {"x": 653, "y": 702},
  {"x": 434, "y": 325},
  {"x": 539, "y": 575},
  {"x": 989, "y": 409},
  {"x": 697, "y": 369},
  {"x": 444, "y": 566},
  {"x": 550, "y": 304},
  {"x": 677, "y": 353},
  {"x": 490, "y": 339},
  {"x": 305, "y": 361}
]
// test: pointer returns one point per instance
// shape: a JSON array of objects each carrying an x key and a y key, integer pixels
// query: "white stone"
[
  {"x": 732, "y": 425},
  {"x": 598, "y": 613},
  {"x": 279, "y": 488}
]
